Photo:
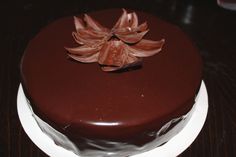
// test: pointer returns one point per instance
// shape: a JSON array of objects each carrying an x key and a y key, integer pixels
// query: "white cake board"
[{"x": 173, "y": 147}]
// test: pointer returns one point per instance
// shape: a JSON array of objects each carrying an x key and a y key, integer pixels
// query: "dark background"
[{"x": 211, "y": 28}]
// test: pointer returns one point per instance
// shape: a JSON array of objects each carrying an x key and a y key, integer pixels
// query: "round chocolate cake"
[{"x": 110, "y": 111}]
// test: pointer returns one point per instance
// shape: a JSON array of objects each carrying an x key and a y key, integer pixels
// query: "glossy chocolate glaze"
[{"x": 83, "y": 102}]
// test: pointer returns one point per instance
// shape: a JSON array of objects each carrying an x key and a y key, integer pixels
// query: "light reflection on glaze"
[{"x": 105, "y": 123}]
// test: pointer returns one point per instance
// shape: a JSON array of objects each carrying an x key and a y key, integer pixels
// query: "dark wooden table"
[{"x": 212, "y": 28}]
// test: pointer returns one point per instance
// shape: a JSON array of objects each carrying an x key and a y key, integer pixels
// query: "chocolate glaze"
[{"x": 84, "y": 102}]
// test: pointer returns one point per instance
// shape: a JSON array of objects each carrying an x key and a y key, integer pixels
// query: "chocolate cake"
[{"x": 117, "y": 110}]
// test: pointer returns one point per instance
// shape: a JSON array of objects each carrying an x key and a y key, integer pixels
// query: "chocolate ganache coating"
[{"x": 83, "y": 102}]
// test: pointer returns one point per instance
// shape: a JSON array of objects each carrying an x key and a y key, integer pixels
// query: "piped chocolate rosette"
[{"x": 121, "y": 47}]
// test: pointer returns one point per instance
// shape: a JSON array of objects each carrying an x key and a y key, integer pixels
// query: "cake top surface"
[{"x": 73, "y": 95}]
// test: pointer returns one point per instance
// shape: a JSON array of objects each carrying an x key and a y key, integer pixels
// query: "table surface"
[{"x": 211, "y": 28}]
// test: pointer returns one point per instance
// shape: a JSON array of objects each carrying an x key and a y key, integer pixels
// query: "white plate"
[{"x": 173, "y": 147}]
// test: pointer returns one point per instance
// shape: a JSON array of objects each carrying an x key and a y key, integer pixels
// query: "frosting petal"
[
  {"x": 92, "y": 34},
  {"x": 133, "y": 20},
  {"x": 123, "y": 20},
  {"x": 91, "y": 23},
  {"x": 85, "y": 59},
  {"x": 83, "y": 40},
  {"x": 78, "y": 23},
  {"x": 131, "y": 61},
  {"x": 141, "y": 27},
  {"x": 115, "y": 55},
  {"x": 82, "y": 50},
  {"x": 146, "y": 48},
  {"x": 128, "y": 30},
  {"x": 110, "y": 68},
  {"x": 132, "y": 37},
  {"x": 112, "y": 53},
  {"x": 77, "y": 39}
]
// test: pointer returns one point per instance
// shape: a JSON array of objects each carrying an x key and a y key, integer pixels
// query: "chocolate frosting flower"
[{"x": 114, "y": 49}]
